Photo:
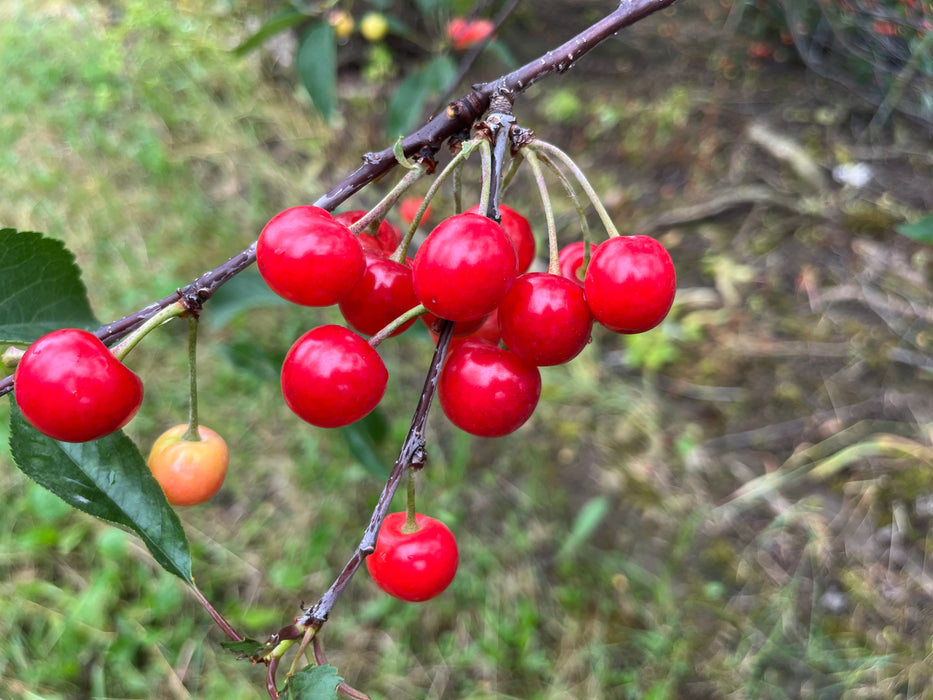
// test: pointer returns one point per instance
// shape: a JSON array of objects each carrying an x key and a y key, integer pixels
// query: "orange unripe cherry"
[{"x": 189, "y": 472}]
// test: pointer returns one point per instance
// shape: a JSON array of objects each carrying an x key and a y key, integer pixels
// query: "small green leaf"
[
  {"x": 317, "y": 67},
  {"x": 312, "y": 683},
  {"x": 588, "y": 519},
  {"x": 108, "y": 479},
  {"x": 40, "y": 288},
  {"x": 407, "y": 104},
  {"x": 920, "y": 230},
  {"x": 286, "y": 19},
  {"x": 245, "y": 648},
  {"x": 363, "y": 439}
]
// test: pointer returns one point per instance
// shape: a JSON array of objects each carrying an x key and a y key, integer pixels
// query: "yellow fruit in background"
[
  {"x": 373, "y": 26},
  {"x": 342, "y": 22}
]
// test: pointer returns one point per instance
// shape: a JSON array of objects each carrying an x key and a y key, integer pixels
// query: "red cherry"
[
  {"x": 630, "y": 284},
  {"x": 544, "y": 319},
  {"x": 332, "y": 377},
  {"x": 414, "y": 566},
  {"x": 570, "y": 259},
  {"x": 382, "y": 295},
  {"x": 409, "y": 206},
  {"x": 384, "y": 242},
  {"x": 519, "y": 231},
  {"x": 308, "y": 258},
  {"x": 487, "y": 391},
  {"x": 71, "y": 388},
  {"x": 464, "y": 267}
]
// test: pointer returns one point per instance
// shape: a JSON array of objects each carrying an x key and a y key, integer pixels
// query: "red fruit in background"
[
  {"x": 487, "y": 391},
  {"x": 464, "y": 33},
  {"x": 464, "y": 267},
  {"x": 630, "y": 284},
  {"x": 409, "y": 206},
  {"x": 570, "y": 260},
  {"x": 383, "y": 294},
  {"x": 308, "y": 258},
  {"x": 519, "y": 231},
  {"x": 70, "y": 387},
  {"x": 544, "y": 319},
  {"x": 386, "y": 239},
  {"x": 332, "y": 377},
  {"x": 413, "y": 566}
]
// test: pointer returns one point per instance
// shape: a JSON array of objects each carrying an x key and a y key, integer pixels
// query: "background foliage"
[{"x": 736, "y": 502}]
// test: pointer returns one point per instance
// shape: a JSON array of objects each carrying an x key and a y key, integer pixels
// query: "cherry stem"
[
  {"x": 484, "y": 198},
  {"x": 192, "y": 434},
  {"x": 553, "y": 264},
  {"x": 121, "y": 350},
  {"x": 572, "y": 194},
  {"x": 466, "y": 150},
  {"x": 378, "y": 212},
  {"x": 554, "y": 152},
  {"x": 394, "y": 325},
  {"x": 411, "y": 520}
]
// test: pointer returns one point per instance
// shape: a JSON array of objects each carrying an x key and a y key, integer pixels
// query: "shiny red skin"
[
  {"x": 70, "y": 387},
  {"x": 486, "y": 390},
  {"x": 414, "y": 566},
  {"x": 570, "y": 260},
  {"x": 519, "y": 231},
  {"x": 383, "y": 294},
  {"x": 332, "y": 377},
  {"x": 464, "y": 268},
  {"x": 630, "y": 284},
  {"x": 544, "y": 319},
  {"x": 384, "y": 242},
  {"x": 307, "y": 258}
]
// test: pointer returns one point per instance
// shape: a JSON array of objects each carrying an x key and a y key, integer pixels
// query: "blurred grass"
[{"x": 595, "y": 562}]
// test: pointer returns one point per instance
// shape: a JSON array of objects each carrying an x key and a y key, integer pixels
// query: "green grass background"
[{"x": 598, "y": 560}]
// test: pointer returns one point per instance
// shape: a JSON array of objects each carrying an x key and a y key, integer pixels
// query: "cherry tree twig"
[{"x": 455, "y": 119}]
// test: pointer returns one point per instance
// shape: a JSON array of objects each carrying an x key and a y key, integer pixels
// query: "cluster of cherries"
[
  {"x": 469, "y": 270},
  {"x": 508, "y": 322}
]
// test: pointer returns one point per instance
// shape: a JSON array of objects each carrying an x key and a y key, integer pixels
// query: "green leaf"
[
  {"x": 920, "y": 230},
  {"x": 312, "y": 683},
  {"x": 407, "y": 104},
  {"x": 317, "y": 67},
  {"x": 108, "y": 479},
  {"x": 588, "y": 519},
  {"x": 245, "y": 648},
  {"x": 286, "y": 19},
  {"x": 244, "y": 292},
  {"x": 363, "y": 439},
  {"x": 40, "y": 288}
]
